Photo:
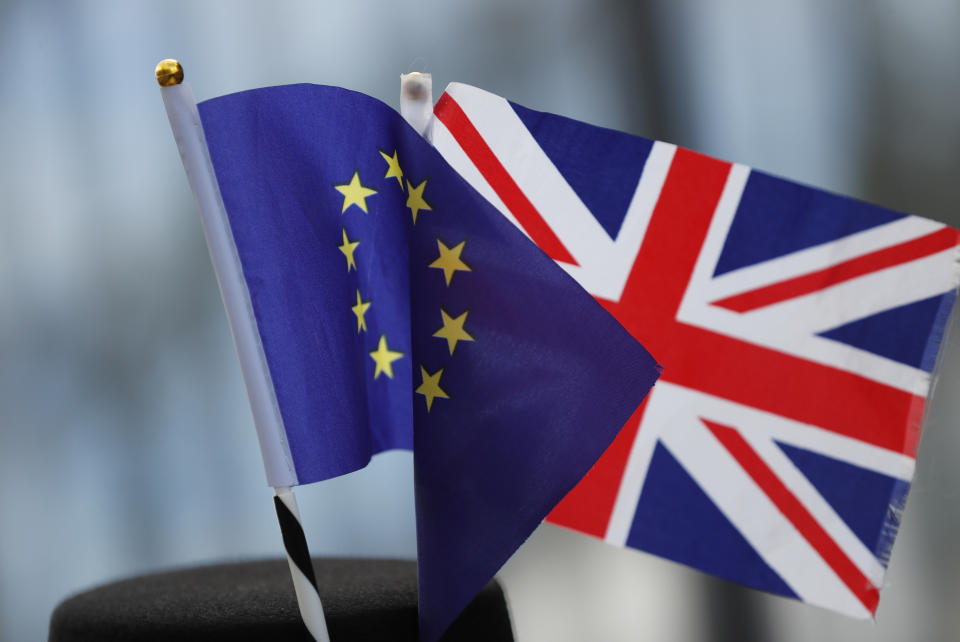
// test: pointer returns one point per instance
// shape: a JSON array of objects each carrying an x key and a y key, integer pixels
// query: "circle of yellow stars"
[{"x": 449, "y": 260}]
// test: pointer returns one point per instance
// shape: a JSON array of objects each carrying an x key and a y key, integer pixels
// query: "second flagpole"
[{"x": 416, "y": 101}]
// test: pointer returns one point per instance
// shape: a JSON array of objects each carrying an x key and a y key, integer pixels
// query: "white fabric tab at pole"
[
  {"x": 188, "y": 132},
  {"x": 416, "y": 101}
]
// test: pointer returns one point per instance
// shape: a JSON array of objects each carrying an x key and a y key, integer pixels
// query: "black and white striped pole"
[
  {"x": 301, "y": 566},
  {"x": 188, "y": 131}
]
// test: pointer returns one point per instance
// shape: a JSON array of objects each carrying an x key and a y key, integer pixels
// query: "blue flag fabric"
[{"x": 398, "y": 309}]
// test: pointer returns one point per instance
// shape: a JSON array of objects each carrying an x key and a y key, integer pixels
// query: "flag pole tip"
[
  {"x": 415, "y": 85},
  {"x": 169, "y": 72}
]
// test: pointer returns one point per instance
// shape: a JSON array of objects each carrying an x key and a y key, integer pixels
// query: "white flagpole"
[{"x": 188, "y": 132}]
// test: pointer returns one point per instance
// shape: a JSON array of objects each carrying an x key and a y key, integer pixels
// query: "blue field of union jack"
[{"x": 798, "y": 331}]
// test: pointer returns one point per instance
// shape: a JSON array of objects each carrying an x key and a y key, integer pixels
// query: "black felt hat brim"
[{"x": 363, "y": 599}]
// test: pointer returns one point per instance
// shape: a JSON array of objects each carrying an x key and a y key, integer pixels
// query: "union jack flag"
[{"x": 798, "y": 332}]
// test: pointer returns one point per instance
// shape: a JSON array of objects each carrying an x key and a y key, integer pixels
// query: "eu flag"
[{"x": 398, "y": 309}]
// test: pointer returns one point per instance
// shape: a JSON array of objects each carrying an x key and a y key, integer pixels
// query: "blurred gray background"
[{"x": 126, "y": 443}]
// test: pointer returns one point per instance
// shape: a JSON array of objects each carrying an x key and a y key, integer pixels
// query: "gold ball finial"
[{"x": 169, "y": 73}]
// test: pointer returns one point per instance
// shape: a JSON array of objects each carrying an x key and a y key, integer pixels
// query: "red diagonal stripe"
[
  {"x": 477, "y": 150},
  {"x": 851, "y": 269},
  {"x": 797, "y": 514}
]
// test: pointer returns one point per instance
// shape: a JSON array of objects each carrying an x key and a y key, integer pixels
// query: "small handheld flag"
[
  {"x": 185, "y": 123},
  {"x": 799, "y": 332}
]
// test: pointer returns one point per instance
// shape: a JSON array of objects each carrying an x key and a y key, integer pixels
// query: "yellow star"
[
  {"x": 449, "y": 260},
  {"x": 347, "y": 247},
  {"x": 393, "y": 167},
  {"x": 360, "y": 309},
  {"x": 384, "y": 358},
  {"x": 354, "y": 193},
  {"x": 415, "y": 200},
  {"x": 430, "y": 388},
  {"x": 452, "y": 329}
]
